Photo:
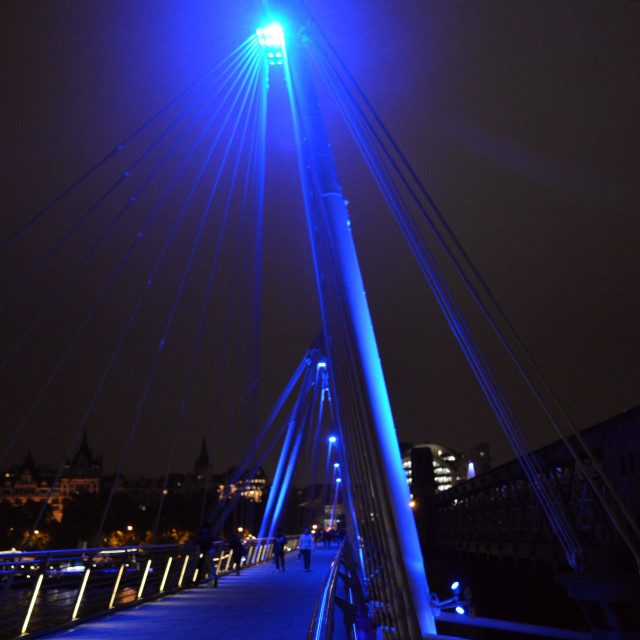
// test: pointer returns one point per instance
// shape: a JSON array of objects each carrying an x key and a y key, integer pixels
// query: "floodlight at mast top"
[{"x": 272, "y": 40}]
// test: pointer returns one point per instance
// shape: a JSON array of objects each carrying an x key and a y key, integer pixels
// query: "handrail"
[
  {"x": 322, "y": 623},
  {"x": 356, "y": 615},
  {"x": 50, "y": 590}
]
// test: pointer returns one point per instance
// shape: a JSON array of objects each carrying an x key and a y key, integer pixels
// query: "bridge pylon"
[{"x": 381, "y": 520}]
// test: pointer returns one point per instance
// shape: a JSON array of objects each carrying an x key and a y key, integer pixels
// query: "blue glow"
[
  {"x": 336, "y": 465},
  {"x": 455, "y": 585},
  {"x": 268, "y": 521},
  {"x": 332, "y": 439},
  {"x": 271, "y": 38},
  {"x": 460, "y": 610},
  {"x": 305, "y": 110}
]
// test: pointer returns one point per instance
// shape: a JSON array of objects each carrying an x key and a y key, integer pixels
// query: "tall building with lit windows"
[
  {"x": 252, "y": 489},
  {"x": 447, "y": 467}
]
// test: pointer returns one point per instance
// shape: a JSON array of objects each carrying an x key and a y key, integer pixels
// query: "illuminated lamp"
[
  {"x": 471, "y": 471},
  {"x": 271, "y": 38}
]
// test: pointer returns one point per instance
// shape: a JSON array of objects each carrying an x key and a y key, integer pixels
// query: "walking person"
[
  {"x": 305, "y": 546},
  {"x": 206, "y": 569},
  {"x": 237, "y": 552},
  {"x": 279, "y": 543}
]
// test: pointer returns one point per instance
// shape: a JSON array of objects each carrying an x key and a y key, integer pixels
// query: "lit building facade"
[
  {"x": 29, "y": 482},
  {"x": 252, "y": 489},
  {"x": 449, "y": 467}
]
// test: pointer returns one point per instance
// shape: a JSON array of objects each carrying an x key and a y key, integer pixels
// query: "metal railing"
[
  {"x": 48, "y": 590},
  {"x": 322, "y": 624},
  {"x": 356, "y": 616}
]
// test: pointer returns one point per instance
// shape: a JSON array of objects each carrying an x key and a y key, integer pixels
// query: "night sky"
[{"x": 521, "y": 119}]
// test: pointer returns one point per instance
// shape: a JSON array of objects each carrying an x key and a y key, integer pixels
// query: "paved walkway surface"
[{"x": 259, "y": 604}]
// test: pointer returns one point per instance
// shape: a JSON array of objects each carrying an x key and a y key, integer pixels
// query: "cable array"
[
  {"x": 168, "y": 192},
  {"x": 171, "y": 184},
  {"x": 412, "y": 207}
]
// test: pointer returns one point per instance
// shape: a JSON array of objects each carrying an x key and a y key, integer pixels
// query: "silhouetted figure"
[
  {"x": 206, "y": 569},
  {"x": 237, "y": 552},
  {"x": 279, "y": 543},
  {"x": 305, "y": 546}
]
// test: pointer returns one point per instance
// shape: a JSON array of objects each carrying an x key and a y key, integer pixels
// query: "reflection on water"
[
  {"x": 60, "y": 582},
  {"x": 125, "y": 595}
]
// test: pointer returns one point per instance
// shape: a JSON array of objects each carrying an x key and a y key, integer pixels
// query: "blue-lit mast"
[{"x": 343, "y": 302}]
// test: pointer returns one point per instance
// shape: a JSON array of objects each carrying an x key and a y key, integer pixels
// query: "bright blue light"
[
  {"x": 455, "y": 585},
  {"x": 272, "y": 40},
  {"x": 460, "y": 610},
  {"x": 338, "y": 479},
  {"x": 332, "y": 439},
  {"x": 336, "y": 465},
  {"x": 274, "y": 33}
]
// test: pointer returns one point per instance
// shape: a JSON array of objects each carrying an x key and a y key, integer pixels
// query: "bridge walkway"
[{"x": 259, "y": 604}]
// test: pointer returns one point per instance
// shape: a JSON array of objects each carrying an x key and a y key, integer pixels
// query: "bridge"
[
  {"x": 257, "y": 603},
  {"x": 149, "y": 267}
]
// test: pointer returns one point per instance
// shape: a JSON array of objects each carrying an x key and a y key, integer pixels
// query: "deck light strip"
[
  {"x": 32, "y": 603},
  {"x": 144, "y": 578},
  {"x": 115, "y": 588},
  {"x": 166, "y": 573},
  {"x": 184, "y": 568},
  {"x": 81, "y": 593}
]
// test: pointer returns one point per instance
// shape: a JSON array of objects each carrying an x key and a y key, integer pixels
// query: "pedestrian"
[
  {"x": 237, "y": 552},
  {"x": 206, "y": 569},
  {"x": 305, "y": 546},
  {"x": 279, "y": 543}
]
